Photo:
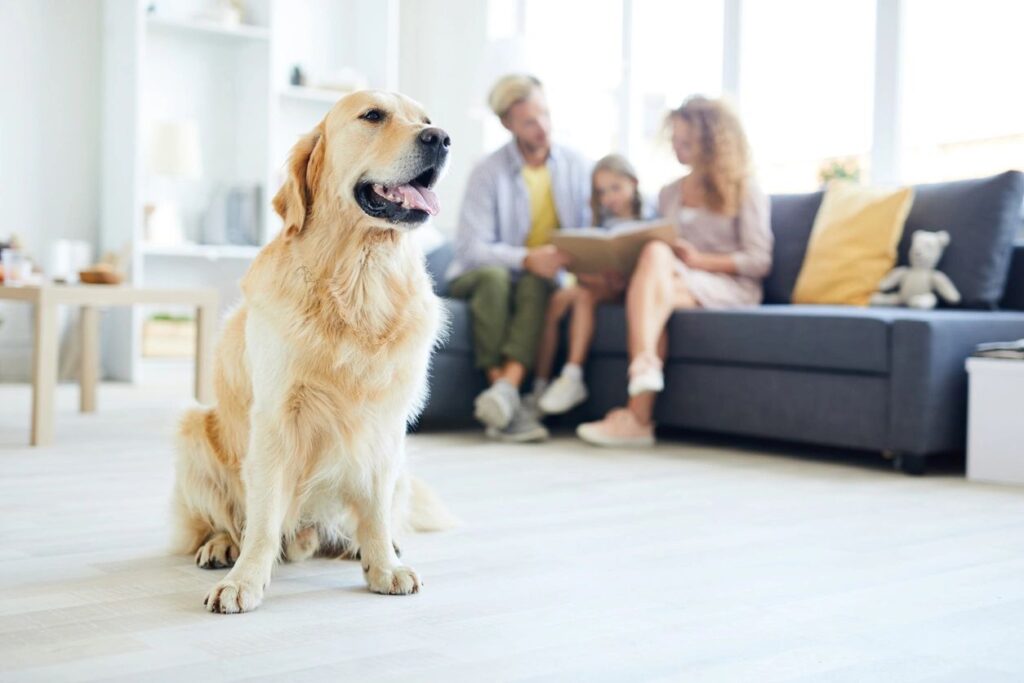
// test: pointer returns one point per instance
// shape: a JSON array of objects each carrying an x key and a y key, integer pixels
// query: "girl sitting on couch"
[{"x": 615, "y": 198}]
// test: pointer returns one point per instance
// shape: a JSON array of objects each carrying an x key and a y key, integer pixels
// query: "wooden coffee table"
[{"x": 90, "y": 298}]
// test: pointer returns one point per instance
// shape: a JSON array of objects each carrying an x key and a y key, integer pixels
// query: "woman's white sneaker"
[
  {"x": 644, "y": 382},
  {"x": 645, "y": 375}
]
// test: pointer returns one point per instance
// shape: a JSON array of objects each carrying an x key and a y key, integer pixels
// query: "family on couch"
[{"x": 516, "y": 282}]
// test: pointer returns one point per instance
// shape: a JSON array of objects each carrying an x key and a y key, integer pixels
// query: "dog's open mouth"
[{"x": 410, "y": 202}]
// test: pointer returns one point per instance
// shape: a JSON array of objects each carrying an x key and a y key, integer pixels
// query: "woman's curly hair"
[{"x": 721, "y": 157}]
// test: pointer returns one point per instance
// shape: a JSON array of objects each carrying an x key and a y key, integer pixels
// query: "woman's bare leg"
[{"x": 655, "y": 290}]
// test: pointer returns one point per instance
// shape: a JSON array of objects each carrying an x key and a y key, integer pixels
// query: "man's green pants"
[{"x": 508, "y": 316}]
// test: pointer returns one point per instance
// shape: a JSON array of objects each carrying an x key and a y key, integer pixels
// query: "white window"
[
  {"x": 806, "y": 88},
  {"x": 963, "y": 98},
  {"x": 576, "y": 50},
  {"x": 676, "y": 52}
]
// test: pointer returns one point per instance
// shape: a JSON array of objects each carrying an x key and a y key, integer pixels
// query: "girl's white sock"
[
  {"x": 539, "y": 385},
  {"x": 573, "y": 371}
]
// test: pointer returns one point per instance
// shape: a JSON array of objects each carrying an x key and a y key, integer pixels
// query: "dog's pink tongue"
[{"x": 422, "y": 198}]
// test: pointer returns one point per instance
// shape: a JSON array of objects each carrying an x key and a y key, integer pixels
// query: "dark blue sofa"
[{"x": 883, "y": 379}]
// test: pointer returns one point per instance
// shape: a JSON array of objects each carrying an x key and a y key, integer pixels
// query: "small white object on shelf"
[{"x": 995, "y": 430}]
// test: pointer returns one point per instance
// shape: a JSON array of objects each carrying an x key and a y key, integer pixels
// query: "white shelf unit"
[{"x": 232, "y": 81}]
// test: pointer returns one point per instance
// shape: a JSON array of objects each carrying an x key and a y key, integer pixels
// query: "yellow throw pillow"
[{"x": 852, "y": 245}]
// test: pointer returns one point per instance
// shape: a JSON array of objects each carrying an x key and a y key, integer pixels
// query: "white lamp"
[{"x": 173, "y": 153}]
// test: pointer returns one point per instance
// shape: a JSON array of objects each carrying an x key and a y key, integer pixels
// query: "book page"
[{"x": 596, "y": 250}]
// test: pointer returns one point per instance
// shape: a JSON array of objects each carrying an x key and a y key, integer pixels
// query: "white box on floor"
[{"x": 995, "y": 420}]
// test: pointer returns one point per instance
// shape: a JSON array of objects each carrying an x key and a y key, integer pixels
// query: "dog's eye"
[{"x": 373, "y": 116}]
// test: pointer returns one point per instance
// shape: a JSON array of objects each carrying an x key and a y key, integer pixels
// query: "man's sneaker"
[
  {"x": 523, "y": 428},
  {"x": 619, "y": 428},
  {"x": 495, "y": 406},
  {"x": 564, "y": 394}
]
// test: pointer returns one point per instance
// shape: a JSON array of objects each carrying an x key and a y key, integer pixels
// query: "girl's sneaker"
[{"x": 564, "y": 394}]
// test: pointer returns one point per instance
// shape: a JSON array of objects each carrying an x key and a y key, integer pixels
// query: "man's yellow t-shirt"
[{"x": 543, "y": 217}]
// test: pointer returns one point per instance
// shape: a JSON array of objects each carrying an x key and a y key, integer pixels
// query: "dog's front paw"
[
  {"x": 232, "y": 597},
  {"x": 397, "y": 580},
  {"x": 217, "y": 553}
]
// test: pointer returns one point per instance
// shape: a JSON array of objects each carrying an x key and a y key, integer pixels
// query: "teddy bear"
[{"x": 914, "y": 285}]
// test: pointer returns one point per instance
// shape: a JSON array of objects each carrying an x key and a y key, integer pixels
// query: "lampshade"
[{"x": 174, "y": 149}]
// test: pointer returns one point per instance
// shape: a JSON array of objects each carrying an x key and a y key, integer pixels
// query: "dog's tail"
[
  {"x": 426, "y": 511},
  {"x": 188, "y": 529}
]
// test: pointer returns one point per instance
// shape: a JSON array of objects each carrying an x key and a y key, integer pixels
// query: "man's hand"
[
  {"x": 592, "y": 280},
  {"x": 545, "y": 261}
]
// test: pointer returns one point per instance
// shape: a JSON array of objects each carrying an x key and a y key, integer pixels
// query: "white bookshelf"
[{"x": 232, "y": 81}]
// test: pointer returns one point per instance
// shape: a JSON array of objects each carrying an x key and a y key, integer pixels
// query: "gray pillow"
[
  {"x": 982, "y": 218},
  {"x": 792, "y": 220}
]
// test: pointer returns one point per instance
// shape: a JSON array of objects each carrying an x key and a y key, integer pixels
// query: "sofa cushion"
[
  {"x": 792, "y": 219},
  {"x": 982, "y": 218},
  {"x": 853, "y": 244},
  {"x": 835, "y": 338}
]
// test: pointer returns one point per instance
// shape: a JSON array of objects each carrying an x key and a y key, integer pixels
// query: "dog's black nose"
[{"x": 435, "y": 138}]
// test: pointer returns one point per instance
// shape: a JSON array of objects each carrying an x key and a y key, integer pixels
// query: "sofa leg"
[{"x": 910, "y": 463}]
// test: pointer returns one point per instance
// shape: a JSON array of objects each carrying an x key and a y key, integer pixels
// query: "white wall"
[
  {"x": 49, "y": 119},
  {"x": 49, "y": 139},
  {"x": 436, "y": 67}
]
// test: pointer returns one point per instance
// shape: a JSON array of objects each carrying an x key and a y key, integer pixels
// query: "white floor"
[{"x": 689, "y": 562}]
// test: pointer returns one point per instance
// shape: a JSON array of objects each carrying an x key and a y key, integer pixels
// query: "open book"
[{"x": 596, "y": 250}]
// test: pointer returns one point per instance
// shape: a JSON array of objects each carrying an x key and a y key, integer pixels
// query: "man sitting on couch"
[{"x": 504, "y": 260}]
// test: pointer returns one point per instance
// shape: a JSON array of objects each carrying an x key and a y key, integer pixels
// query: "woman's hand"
[
  {"x": 688, "y": 254},
  {"x": 703, "y": 260},
  {"x": 545, "y": 261}
]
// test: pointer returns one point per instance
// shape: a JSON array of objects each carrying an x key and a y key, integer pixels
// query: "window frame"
[{"x": 886, "y": 86}]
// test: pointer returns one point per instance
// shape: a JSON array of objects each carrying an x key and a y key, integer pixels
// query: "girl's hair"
[
  {"x": 721, "y": 157},
  {"x": 618, "y": 164}
]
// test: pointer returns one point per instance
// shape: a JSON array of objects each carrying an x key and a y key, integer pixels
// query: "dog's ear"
[{"x": 294, "y": 200}]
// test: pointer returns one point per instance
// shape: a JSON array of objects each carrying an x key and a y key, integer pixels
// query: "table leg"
[
  {"x": 44, "y": 371},
  {"x": 206, "y": 325},
  {"x": 90, "y": 361}
]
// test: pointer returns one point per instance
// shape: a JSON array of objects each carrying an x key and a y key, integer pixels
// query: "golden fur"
[{"x": 317, "y": 373}]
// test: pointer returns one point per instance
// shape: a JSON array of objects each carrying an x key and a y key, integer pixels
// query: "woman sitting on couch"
[{"x": 722, "y": 253}]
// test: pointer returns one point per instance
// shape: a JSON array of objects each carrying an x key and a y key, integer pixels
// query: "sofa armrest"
[
  {"x": 928, "y": 385},
  {"x": 1013, "y": 295}
]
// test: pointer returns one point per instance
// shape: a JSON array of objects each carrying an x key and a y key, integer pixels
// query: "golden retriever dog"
[{"x": 322, "y": 366}]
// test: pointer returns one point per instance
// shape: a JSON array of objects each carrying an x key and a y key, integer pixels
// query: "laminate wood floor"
[{"x": 696, "y": 561}]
